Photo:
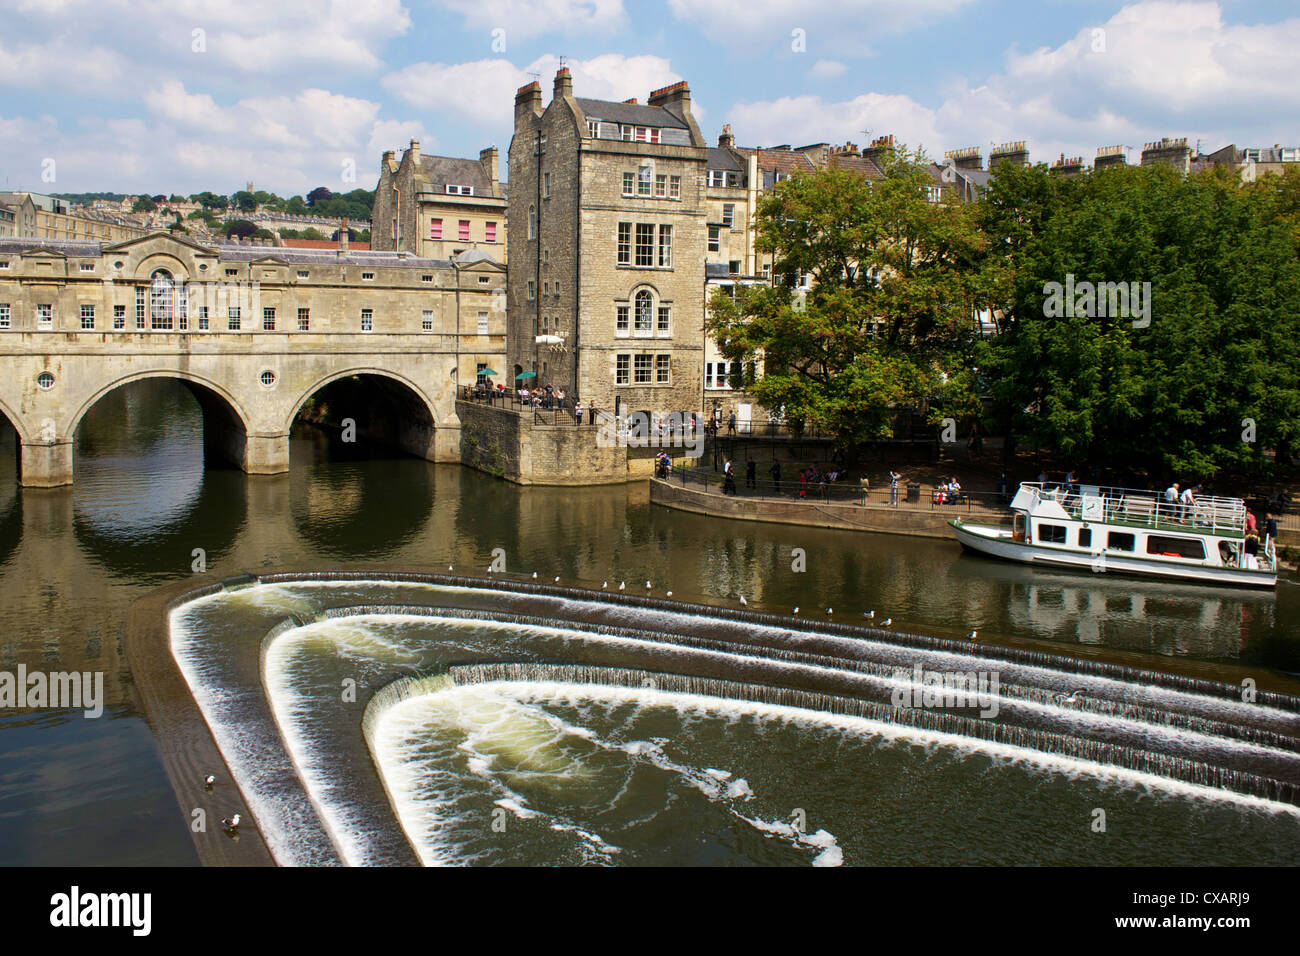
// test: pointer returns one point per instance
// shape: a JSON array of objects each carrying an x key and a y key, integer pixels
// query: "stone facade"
[
  {"x": 255, "y": 331},
  {"x": 615, "y": 323},
  {"x": 438, "y": 207}
]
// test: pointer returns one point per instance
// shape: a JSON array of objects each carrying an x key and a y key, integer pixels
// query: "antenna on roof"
[
  {"x": 535, "y": 76},
  {"x": 563, "y": 61}
]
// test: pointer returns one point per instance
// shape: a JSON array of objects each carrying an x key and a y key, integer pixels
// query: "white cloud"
[
  {"x": 1159, "y": 68},
  {"x": 80, "y": 66},
  {"x": 810, "y": 119},
  {"x": 396, "y": 135},
  {"x": 528, "y": 18},
  {"x": 827, "y": 69},
  {"x": 483, "y": 92}
]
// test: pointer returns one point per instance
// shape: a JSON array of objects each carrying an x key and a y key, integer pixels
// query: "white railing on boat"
[{"x": 1208, "y": 514}]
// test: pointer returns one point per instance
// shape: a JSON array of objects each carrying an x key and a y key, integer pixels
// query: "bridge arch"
[
  {"x": 226, "y": 425},
  {"x": 383, "y": 405}
]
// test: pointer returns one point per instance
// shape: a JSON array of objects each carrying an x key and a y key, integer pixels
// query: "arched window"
[
  {"x": 532, "y": 222},
  {"x": 645, "y": 307},
  {"x": 162, "y": 300}
]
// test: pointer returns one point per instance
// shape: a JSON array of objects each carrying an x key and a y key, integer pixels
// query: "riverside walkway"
[{"x": 842, "y": 504}]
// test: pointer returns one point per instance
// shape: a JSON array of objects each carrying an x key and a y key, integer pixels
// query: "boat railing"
[{"x": 1212, "y": 514}]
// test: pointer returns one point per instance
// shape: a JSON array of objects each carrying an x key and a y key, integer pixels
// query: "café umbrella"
[
  {"x": 525, "y": 375},
  {"x": 488, "y": 371}
]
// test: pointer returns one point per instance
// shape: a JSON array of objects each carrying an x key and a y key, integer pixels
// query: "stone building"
[
  {"x": 1169, "y": 152},
  {"x": 48, "y": 217},
  {"x": 439, "y": 206},
  {"x": 608, "y": 247},
  {"x": 255, "y": 330}
]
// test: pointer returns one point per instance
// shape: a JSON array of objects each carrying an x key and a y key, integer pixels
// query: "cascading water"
[{"x": 476, "y": 703}]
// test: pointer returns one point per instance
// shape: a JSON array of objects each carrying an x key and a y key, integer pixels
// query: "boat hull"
[{"x": 997, "y": 542}]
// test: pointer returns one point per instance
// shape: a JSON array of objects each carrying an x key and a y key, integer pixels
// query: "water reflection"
[{"x": 72, "y": 560}]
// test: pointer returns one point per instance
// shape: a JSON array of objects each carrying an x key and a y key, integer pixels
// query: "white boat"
[{"x": 1127, "y": 531}]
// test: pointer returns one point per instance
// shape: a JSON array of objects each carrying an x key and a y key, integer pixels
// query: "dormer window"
[
  {"x": 640, "y": 134},
  {"x": 460, "y": 190},
  {"x": 593, "y": 128},
  {"x": 717, "y": 177}
]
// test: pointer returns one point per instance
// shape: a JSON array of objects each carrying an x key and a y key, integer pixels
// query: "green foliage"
[
  {"x": 240, "y": 228},
  {"x": 887, "y": 321},
  {"x": 1222, "y": 346},
  {"x": 144, "y": 204}
]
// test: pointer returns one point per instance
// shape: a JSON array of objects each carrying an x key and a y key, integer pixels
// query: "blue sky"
[{"x": 182, "y": 95}]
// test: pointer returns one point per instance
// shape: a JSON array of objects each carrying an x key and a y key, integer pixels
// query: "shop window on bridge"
[
  {"x": 119, "y": 317},
  {"x": 162, "y": 301},
  {"x": 1175, "y": 547}
]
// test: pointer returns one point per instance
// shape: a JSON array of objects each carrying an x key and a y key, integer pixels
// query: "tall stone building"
[
  {"x": 437, "y": 207},
  {"x": 607, "y": 249}
]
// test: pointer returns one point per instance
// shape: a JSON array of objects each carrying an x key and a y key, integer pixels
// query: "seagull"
[
  {"x": 670, "y": 594},
  {"x": 742, "y": 600},
  {"x": 231, "y": 823},
  {"x": 557, "y": 579},
  {"x": 208, "y": 781},
  {"x": 605, "y": 585},
  {"x": 830, "y": 610},
  {"x": 534, "y": 575},
  {"x": 868, "y": 614},
  {"x": 796, "y": 610},
  {"x": 622, "y": 585},
  {"x": 886, "y": 622},
  {"x": 974, "y": 634},
  {"x": 647, "y": 585},
  {"x": 451, "y": 567},
  {"x": 1072, "y": 697}
]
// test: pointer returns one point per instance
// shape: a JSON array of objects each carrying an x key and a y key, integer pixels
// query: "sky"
[{"x": 164, "y": 96}]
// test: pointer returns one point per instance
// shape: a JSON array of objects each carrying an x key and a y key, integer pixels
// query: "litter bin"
[{"x": 913, "y": 491}]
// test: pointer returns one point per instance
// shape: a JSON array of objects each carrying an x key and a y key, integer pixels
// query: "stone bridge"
[{"x": 82, "y": 319}]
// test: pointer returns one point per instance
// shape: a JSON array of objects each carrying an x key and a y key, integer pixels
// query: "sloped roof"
[
  {"x": 454, "y": 171},
  {"x": 724, "y": 159},
  {"x": 631, "y": 114}
]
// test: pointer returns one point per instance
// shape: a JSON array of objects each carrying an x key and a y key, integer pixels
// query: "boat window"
[
  {"x": 1085, "y": 537},
  {"x": 1051, "y": 534},
  {"x": 1119, "y": 541},
  {"x": 1175, "y": 547}
]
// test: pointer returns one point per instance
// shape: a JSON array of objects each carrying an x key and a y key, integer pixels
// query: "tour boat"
[{"x": 1126, "y": 531}]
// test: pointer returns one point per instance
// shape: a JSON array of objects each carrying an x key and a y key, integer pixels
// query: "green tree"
[
  {"x": 885, "y": 321},
  {"x": 1172, "y": 391},
  {"x": 144, "y": 204}
]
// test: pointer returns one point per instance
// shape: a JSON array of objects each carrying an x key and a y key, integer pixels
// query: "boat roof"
[{"x": 1133, "y": 508}]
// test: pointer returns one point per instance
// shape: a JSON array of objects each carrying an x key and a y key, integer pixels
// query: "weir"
[{"x": 1096, "y": 717}]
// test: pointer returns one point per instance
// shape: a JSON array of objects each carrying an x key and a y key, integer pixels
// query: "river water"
[{"x": 93, "y": 791}]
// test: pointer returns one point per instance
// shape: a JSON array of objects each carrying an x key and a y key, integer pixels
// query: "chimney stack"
[
  {"x": 343, "y": 229},
  {"x": 1067, "y": 167},
  {"x": 563, "y": 83},
  {"x": 1173, "y": 152},
  {"x": 414, "y": 152},
  {"x": 1015, "y": 153},
  {"x": 528, "y": 100},
  {"x": 491, "y": 162},
  {"x": 1108, "y": 156},
  {"x": 726, "y": 140},
  {"x": 676, "y": 99}
]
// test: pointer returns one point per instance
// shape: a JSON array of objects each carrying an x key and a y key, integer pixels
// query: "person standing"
[
  {"x": 577, "y": 411},
  {"x": 728, "y": 479},
  {"x": 731, "y": 424},
  {"x": 1171, "y": 501},
  {"x": 751, "y": 473},
  {"x": 1270, "y": 526},
  {"x": 775, "y": 472},
  {"x": 1187, "y": 500},
  {"x": 591, "y": 414},
  {"x": 893, "y": 486}
]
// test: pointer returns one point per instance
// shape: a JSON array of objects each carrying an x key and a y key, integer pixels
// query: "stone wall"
[{"x": 512, "y": 445}]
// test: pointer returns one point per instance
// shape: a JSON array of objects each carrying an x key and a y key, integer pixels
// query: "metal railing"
[
  {"x": 844, "y": 490},
  {"x": 1210, "y": 514}
]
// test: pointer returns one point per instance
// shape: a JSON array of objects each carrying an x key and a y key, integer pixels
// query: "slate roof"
[
  {"x": 724, "y": 159},
  {"x": 630, "y": 114},
  {"x": 69, "y": 247},
  {"x": 454, "y": 171}
]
